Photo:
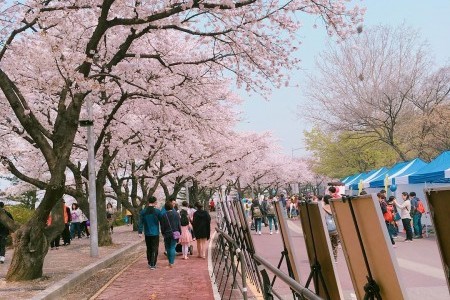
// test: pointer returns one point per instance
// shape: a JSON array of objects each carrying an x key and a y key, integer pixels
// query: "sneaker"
[
  {"x": 408, "y": 241},
  {"x": 2, "y": 259},
  {"x": 271, "y": 232},
  {"x": 395, "y": 237},
  {"x": 259, "y": 233},
  {"x": 277, "y": 231},
  {"x": 394, "y": 246},
  {"x": 418, "y": 237}
]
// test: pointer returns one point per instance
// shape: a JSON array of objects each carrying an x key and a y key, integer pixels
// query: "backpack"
[
  {"x": 270, "y": 209},
  {"x": 331, "y": 225},
  {"x": 184, "y": 220},
  {"x": 388, "y": 215},
  {"x": 420, "y": 207},
  {"x": 257, "y": 212}
]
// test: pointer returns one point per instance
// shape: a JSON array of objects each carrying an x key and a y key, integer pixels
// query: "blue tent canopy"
[
  {"x": 350, "y": 178},
  {"x": 378, "y": 181},
  {"x": 344, "y": 180},
  {"x": 434, "y": 171},
  {"x": 363, "y": 176},
  {"x": 355, "y": 179},
  {"x": 401, "y": 177}
]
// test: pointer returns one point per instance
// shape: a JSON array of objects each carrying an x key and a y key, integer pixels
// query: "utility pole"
[{"x": 91, "y": 168}]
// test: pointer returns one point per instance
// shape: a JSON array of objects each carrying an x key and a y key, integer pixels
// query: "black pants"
[
  {"x": 407, "y": 226},
  {"x": 2, "y": 245},
  {"x": 66, "y": 234},
  {"x": 55, "y": 242},
  {"x": 152, "y": 243}
]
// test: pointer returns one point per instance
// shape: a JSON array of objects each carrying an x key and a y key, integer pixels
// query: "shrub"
[{"x": 20, "y": 213}]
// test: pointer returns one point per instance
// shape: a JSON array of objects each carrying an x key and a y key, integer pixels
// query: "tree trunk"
[
  {"x": 31, "y": 247},
  {"x": 135, "y": 213},
  {"x": 104, "y": 236}
]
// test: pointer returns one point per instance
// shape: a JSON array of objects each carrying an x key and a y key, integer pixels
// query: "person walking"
[
  {"x": 388, "y": 214},
  {"x": 191, "y": 211},
  {"x": 76, "y": 216},
  {"x": 256, "y": 215},
  {"x": 129, "y": 216},
  {"x": 110, "y": 216},
  {"x": 66, "y": 236},
  {"x": 264, "y": 210},
  {"x": 331, "y": 226},
  {"x": 186, "y": 237},
  {"x": 416, "y": 215},
  {"x": 149, "y": 224},
  {"x": 271, "y": 218},
  {"x": 170, "y": 229},
  {"x": 202, "y": 229},
  {"x": 405, "y": 209},
  {"x": 4, "y": 232},
  {"x": 54, "y": 244}
]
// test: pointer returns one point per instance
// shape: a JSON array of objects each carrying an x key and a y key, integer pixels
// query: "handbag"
[
  {"x": 175, "y": 234},
  {"x": 397, "y": 216}
]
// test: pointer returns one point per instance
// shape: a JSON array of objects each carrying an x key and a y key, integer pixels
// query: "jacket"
[
  {"x": 405, "y": 209},
  {"x": 4, "y": 231},
  {"x": 202, "y": 224},
  {"x": 170, "y": 222},
  {"x": 149, "y": 221}
]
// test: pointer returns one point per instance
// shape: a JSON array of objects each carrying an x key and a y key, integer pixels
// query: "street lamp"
[{"x": 295, "y": 149}]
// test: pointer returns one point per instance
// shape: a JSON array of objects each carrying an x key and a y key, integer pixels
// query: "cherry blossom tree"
[{"x": 73, "y": 60}]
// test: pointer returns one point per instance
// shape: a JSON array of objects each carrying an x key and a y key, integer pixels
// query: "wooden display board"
[
  {"x": 438, "y": 200},
  {"x": 375, "y": 242},
  {"x": 319, "y": 250},
  {"x": 287, "y": 241}
]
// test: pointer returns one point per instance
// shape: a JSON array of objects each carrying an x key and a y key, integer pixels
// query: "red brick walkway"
[{"x": 188, "y": 279}]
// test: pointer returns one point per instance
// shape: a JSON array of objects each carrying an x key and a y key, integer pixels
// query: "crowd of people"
[
  {"x": 179, "y": 228},
  {"x": 76, "y": 225},
  {"x": 408, "y": 211}
]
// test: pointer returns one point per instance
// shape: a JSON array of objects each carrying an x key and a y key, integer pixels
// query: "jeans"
[
  {"x": 169, "y": 244},
  {"x": 417, "y": 223},
  {"x": 85, "y": 228},
  {"x": 258, "y": 224},
  {"x": 2, "y": 245},
  {"x": 407, "y": 226},
  {"x": 272, "y": 219},
  {"x": 152, "y": 243},
  {"x": 389, "y": 225},
  {"x": 76, "y": 226}
]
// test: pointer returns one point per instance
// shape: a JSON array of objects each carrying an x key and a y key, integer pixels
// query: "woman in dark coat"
[
  {"x": 202, "y": 229},
  {"x": 170, "y": 222}
]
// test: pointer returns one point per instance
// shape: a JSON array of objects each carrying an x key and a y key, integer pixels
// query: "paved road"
[
  {"x": 187, "y": 280},
  {"x": 420, "y": 265}
]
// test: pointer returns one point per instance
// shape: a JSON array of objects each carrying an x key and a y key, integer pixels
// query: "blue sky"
[{"x": 280, "y": 115}]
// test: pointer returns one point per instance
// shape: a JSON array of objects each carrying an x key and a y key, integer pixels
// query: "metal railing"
[
  {"x": 235, "y": 263},
  {"x": 229, "y": 261},
  {"x": 299, "y": 291}
]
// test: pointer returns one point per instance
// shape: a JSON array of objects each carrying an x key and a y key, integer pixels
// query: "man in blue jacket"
[{"x": 150, "y": 223}]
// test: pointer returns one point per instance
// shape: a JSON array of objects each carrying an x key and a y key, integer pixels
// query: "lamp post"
[
  {"x": 295, "y": 149},
  {"x": 89, "y": 123}
]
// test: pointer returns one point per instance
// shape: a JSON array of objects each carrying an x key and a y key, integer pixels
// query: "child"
[{"x": 186, "y": 237}]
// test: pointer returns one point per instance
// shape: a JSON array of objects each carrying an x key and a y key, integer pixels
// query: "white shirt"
[{"x": 405, "y": 209}]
